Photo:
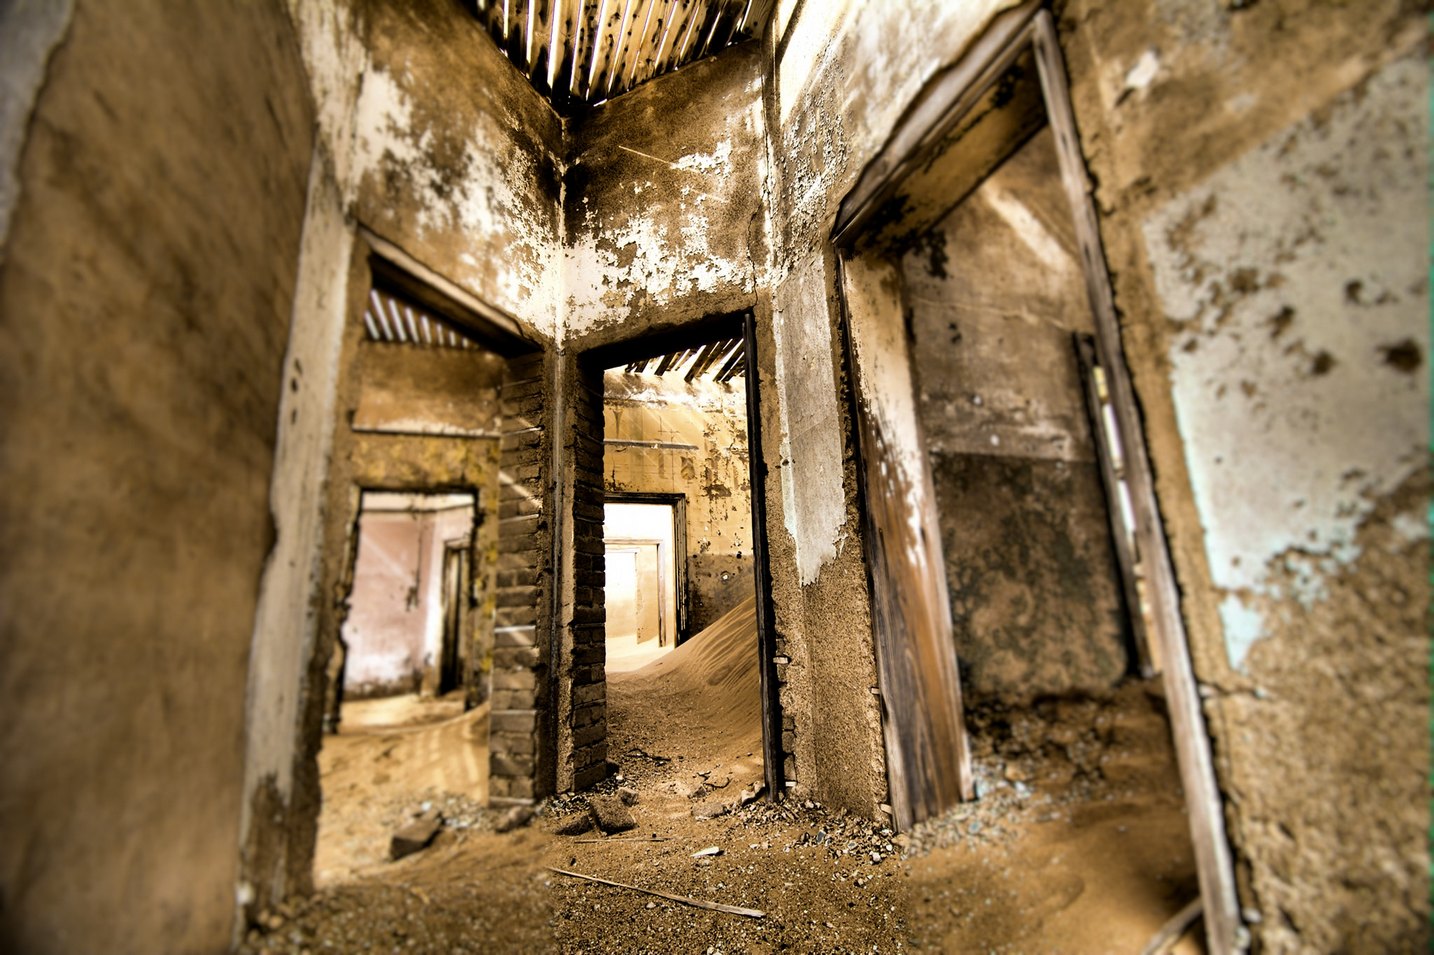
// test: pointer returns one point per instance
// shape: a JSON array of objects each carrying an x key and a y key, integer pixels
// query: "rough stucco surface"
[
  {"x": 708, "y": 422},
  {"x": 1259, "y": 171},
  {"x": 145, "y": 297},
  {"x": 1320, "y": 335},
  {"x": 995, "y": 292},
  {"x": 286, "y": 621},
  {"x": 660, "y": 209},
  {"x": 429, "y": 390}
]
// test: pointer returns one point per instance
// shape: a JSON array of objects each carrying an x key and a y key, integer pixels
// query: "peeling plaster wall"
[
  {"x": 995, "y": 292},
  {"x": 457, "y": 159},
  {"x": 709, "y": 421},
  {"x": 278, "y": 853},
  {"x": 1262, "y": 191},
  {"x": 659, "y": 210},
  {"x": 441, "y": 146},
  {"x": 428, "y": 136},
  {"x": 842, "y": 76},
  {"x": 146, "y": 294}
]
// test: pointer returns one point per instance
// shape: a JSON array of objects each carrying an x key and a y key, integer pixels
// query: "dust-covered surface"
[
  {"x": 660, "y": 209},
  {"x": 1077, "y": 842},
  {"x": 391, "y": 759}
]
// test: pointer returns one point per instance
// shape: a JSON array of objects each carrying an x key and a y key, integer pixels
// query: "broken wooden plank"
[
  {"x": 669, "y": 896},
  {"x": 704, "y": 356}
]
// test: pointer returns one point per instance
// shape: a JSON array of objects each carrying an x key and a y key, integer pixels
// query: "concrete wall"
[
  {"x": 148, "y": 280},
  {"x": 428, "y": 390},
  {"x": 994, "y": 294},
  {"x": 701, "y": 435},
  {"x": 660, "y": 214},
  {"x": 1263, "y": 177}
]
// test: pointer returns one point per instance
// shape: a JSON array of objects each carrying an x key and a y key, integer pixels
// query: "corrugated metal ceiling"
[
  {"x": 393, "y": 320},
  {"x": 588, "y": 51},
  {"x": 721, "y": 360}
]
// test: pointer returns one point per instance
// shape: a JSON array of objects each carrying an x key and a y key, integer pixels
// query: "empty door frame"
[
  {"x": 741, "y": 325},
  {"x": 678, "y": 503},
  {"x": 946, "y": 101},
  {"x": 457, "y": 595}
]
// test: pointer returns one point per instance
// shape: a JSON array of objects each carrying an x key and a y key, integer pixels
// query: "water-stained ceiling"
[{"x": 588, "y": 51}]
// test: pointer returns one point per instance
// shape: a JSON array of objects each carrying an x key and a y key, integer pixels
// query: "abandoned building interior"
[{"x": 715, "y": 475}]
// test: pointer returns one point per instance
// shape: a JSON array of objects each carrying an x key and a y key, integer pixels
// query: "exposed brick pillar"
[
  {"x": 585, "y": 613},
  {"x": 521, "y": 743}
]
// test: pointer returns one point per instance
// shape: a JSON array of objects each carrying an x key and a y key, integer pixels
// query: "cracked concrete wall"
[
  {"x": 995, "y": 292},
  {"x": 1262, "y": 175},
  {"x": 147, "y": 288},
  {"x": 840, "y": 78},
  {"x": 700, "y": 430}
]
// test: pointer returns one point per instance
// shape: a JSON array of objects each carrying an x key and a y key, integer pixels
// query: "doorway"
[
  {"x": 457, "y": 588},
  {"x": 689, "y": 673},
  {"x": 990, "y": 391},
  {"x": 641, "y": 582}
]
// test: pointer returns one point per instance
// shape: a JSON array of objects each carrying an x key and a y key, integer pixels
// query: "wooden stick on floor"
[
  {"x": 714, "y": 906},
  {"x": 1171, "y": 931}
]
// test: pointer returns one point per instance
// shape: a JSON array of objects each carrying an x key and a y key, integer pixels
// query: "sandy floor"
[
  {"x": 1078, "y": 843},
  {"x": 389, "y": 757}
]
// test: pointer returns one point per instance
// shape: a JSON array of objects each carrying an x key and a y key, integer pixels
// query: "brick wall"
[
  {"x": 520, "y": 726},
  {"x": 587, "y": 624}
]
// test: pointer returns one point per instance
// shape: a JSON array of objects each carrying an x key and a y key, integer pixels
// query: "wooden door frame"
[
  {"x": 935, "y": 111},
  {"x": 461, "y": 550}
]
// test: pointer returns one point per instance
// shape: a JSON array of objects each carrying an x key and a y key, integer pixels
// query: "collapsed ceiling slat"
[
  {"x": 390, "y": 319},
  {"x": 720, "y": 360},
  {"x": 592, "y": 50}
]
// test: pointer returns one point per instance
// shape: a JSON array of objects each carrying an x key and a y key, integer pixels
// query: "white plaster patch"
[
  {"x": 335, "y": 60},
  {"x": 665, "y": 264},
  {"x": 285, "y": 622},
  {"x": 1290, "y": 272},
  {"x": 1143, "y": 73},
  {"x": 1412, "y": 526},
  {"x": 718, "y": 160},
  {"x": 1243, "y": 626},
  {"x": 809, "y": 43},
  {"x": 814, "y": 502}
]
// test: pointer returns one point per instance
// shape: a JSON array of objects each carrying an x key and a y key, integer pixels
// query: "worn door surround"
[
  {"x": 950, "y": 96},
  {"x": 589, "y": 367}
]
